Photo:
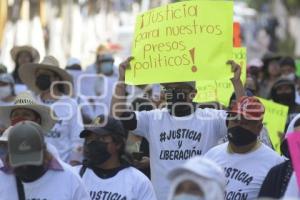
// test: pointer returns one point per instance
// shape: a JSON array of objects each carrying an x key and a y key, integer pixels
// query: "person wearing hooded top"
[
  {"x": 197, "y": 179},
  {"x": 276, "y": 182},
  {"x": 106, "y": 172},
  {"x": 245, "y": 160},
  {"x": 288, "y": 71},
  {"x": 54, "y": 87},
  {"x": 177, "y": 132},
  {"x": 284, "y": 92},
  {"x": 22, "y": 55},
  {"x": 31, "y": 172}
]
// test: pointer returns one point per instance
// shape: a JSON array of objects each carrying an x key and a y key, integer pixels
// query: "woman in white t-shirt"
[
  {"x": 54, "y": 87},
  {"x": 105, "y": 172}
]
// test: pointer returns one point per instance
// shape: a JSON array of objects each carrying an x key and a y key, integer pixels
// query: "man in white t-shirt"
[
  {"x": 246, "y": 161},
  {"x": 105, "y": 173},
  {"x": 34, "y": 172},
  {"x": 175, "y": 133}
]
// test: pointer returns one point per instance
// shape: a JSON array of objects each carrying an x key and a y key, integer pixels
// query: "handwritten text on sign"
[
  {"x": 182, "y": 42},
  {"x": 274, "y": 120},
  {"x": 221, "y": 90}
]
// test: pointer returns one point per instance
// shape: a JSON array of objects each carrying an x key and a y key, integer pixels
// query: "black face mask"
[
  {"x": 96, "y": 153},
  {"x": 240, "y": 137},
  {"x": 177, "y": 104},
  {"x": 43, "y": 82},
  {"x": 30, "y": 173},
  {"x": 287, "y": 99}
]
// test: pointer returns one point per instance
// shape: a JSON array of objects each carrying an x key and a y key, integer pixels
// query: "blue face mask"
[
  {"x": 107, "y": 67},
  {"x": 186, "y": 196}
]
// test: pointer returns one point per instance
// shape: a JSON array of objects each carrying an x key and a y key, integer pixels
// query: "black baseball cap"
[{"x": 104, "y": 125}]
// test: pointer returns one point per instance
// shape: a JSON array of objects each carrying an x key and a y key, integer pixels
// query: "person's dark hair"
[
  {"x": 267, "y": 59},
  {"x": 287, "y": 61},
  {"x": 15, "y": 73}
]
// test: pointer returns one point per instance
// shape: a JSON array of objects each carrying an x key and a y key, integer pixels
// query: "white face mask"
[
  {"x": 5, "y": 91},
  {"x": 290, "y": 76},
  {"x": 186, "y": 196}
]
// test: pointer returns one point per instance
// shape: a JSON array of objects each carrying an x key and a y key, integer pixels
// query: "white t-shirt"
[
  {"x": 53, "y": 185},
  {"x": 19, "y": 88},
  {"x": 173, "y": 140},
  {"x": 127, "y": 184},
  {"x": 245, "y": 173},
  {"x": 104, "y": 87},
  {"x": 65, "y": 133},
  {"x": 292, "y": 190}
]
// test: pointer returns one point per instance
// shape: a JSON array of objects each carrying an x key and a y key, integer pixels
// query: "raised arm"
[
  {"x": 239, "y": 89},
  {"x": 118, "y": 102}
]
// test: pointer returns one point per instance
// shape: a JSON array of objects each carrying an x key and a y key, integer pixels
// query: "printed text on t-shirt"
[{"x": 105, "y": 195}]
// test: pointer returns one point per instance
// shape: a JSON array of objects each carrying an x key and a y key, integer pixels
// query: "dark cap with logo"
[
  {"x": 26, "y": 144},
  {"x": 104, "y": 125}
]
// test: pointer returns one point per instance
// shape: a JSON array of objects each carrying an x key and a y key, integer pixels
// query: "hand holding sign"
[
  {"x": 221, "y": 90},
  {"x": 236, "y": 69},
  {"x": 123, "y": 66},
  {"x": 181, "y": 42}
]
